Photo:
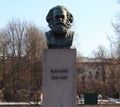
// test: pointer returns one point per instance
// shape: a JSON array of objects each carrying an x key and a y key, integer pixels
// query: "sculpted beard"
[{"x": 59, "y": 27}]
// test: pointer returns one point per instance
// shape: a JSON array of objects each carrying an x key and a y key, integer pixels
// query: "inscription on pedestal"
[
  {"x": 59, "y": 74},
  {"x": 59, "y": 78}
]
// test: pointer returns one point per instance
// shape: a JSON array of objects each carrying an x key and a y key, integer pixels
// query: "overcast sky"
[{"x": 92, "y": 18}]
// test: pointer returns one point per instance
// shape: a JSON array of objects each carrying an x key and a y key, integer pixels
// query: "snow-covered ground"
[
  {"x": 102, "y": 101},
  {"x": 80, "y": 101},
  {"x": 19, "y": 103}
]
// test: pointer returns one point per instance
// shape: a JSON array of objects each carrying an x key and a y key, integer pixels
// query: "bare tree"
[
  {"x": 114, "y": 69},
  {"x": 4, "y": 41},
  {"x": 35, "y": 42},
  {"x": 115, "y": 41},
  {"x": 80, "y": 76},
  {"x": 21, "y": 44},
  {"x": 15, "y": 31},
  {"x": 101, "y": 56},
  {"x": 114, "y": 79}
]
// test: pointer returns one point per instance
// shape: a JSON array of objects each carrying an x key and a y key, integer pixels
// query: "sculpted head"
[{"x": 59, "y": 19}]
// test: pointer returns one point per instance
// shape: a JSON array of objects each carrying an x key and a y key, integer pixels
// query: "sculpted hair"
[{"x": 49, "y": 16}]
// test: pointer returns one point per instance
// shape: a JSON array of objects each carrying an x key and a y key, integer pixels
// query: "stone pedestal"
[{"x": 59, "y": 78}]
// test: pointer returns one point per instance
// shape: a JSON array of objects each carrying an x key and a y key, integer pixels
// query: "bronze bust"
[{"x": 59, "y": 20}]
